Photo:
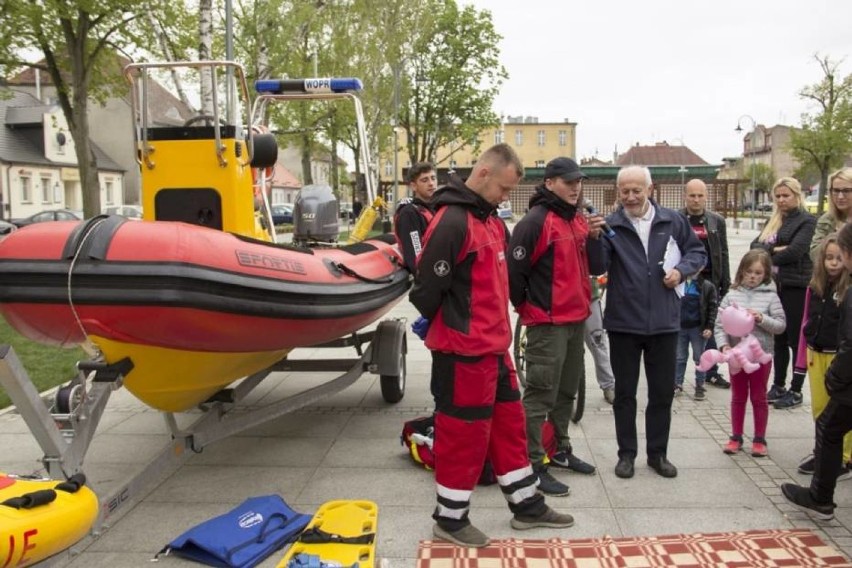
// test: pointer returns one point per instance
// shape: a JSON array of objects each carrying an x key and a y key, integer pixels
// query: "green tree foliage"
[
  {"x": 761, "y": 175},
  {"x": 452, "y": 79},
  {"x": 825, "y": 138},
  {"x": 79, "y": 41}
]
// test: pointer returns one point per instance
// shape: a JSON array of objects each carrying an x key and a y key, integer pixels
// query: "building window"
[
  {"x": 519, "y": 137},
  {"x": 108, "y": 189},
  {"x": 541, "y": 137},
  {"x": 498, "y": 136},
  {"x": 539, "y": 163},
  {"x": 563, "y": 138},
  {"x": 388, "y": 168},
  {"x": 26, "y": 189},
  {"x": 45, "y": 190}
]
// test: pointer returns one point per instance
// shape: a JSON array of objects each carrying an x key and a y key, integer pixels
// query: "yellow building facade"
[{"x": 535, "y": 142}]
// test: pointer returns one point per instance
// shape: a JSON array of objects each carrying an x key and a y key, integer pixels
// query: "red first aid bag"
[{"x": 418, "y": 435}]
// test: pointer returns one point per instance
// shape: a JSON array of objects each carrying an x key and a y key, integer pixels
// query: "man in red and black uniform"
[
  {"x": 549, "y": 286},
  {"x": 413, "y": 215},
  {"x": 462, "y": 288}
]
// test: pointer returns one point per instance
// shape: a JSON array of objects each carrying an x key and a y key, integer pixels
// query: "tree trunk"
[
  {"x": 169, "y": 54},
  {"x": 86, "y": 160},
  {"x": 205, "y": 52}
]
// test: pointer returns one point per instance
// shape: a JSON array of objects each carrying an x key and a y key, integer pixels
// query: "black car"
[
  {"x": 282, "y": 214},
  {"x": 6, "y": 228},
  {"x": 51, "y": 215}
]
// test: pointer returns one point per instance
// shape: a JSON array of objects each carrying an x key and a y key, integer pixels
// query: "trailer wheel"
[{"x": 393, "y": 386}]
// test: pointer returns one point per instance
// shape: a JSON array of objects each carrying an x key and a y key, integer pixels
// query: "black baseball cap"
[{"x": 566, "y": 168}]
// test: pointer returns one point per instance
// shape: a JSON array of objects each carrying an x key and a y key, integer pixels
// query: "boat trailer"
[{"x": 65, "y": 427}]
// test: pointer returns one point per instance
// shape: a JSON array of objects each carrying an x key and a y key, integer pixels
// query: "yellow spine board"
[
  {"x": 344, "y": 518},
  {"x": 194, "y": 164},
  {"x": 28, "y": 536},
  {"x": 174, "y": 380}
]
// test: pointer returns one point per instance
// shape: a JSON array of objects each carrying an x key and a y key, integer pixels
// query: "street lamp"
[{"x": 753, "y": 162}]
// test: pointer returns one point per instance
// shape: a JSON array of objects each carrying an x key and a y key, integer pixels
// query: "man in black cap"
[{"x": 549, "y": 286}]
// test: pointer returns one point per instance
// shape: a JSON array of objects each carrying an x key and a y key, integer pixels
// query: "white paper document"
[{"x": 671, "y": 259}]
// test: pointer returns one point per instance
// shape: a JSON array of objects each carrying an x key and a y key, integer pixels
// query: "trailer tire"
[{"x": 393, "y": 386}]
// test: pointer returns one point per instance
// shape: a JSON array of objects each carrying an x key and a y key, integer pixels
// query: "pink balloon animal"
[{"x": 747, "y": 354}]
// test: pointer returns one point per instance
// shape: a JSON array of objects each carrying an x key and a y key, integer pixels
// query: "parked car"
[
  {"x": 129, "y": 211},
  {"x": 6, "y": 228},
  {"x": 504, "y": 211},
  {"x": 812, "y": 203},
  {"x": 51, "y": 215},
  {"x": 346, "y": 211},
  {"x": 282, "y": 213}
]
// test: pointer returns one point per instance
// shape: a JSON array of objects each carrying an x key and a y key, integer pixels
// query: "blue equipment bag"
[{"x": 242, "y": 537}]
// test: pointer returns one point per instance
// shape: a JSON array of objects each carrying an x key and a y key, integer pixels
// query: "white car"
[{"x": 129, "y": 211}]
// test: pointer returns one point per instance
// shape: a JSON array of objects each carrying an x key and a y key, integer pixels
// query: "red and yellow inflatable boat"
[{"x": 192, "y": 307}]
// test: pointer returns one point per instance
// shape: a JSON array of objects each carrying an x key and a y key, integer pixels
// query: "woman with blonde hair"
[
  {"x": 839, "y": 208},
  {"x": 787, "y": 238}
]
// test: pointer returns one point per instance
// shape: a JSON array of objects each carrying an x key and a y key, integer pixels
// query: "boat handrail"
[{"x": 133, "y": 72}]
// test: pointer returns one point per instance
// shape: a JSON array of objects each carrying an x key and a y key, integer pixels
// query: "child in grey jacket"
[{"x": 754, "y": 290}]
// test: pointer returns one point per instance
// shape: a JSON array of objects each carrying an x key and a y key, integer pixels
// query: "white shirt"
[{"x": 643, "y": 225}]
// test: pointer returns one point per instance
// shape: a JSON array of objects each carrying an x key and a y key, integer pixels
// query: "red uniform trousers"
[{"x": 479, "y": 414}]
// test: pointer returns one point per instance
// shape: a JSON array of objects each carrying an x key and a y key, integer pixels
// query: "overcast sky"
[{"x": 651, "y": 70}]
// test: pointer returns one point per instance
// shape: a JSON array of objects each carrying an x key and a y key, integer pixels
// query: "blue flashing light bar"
[{"x": 310, "y": 85}]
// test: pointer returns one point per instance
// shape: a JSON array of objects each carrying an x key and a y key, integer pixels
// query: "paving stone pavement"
[{"x": 347, "y": 447}]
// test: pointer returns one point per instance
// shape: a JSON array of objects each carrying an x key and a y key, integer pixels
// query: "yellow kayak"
[{"x": 40, "y": 517}]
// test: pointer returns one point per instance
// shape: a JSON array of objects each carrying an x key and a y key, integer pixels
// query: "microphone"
[{"x": 607, "y": 230}]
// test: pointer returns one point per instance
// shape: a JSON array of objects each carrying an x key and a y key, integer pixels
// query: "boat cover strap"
[
  {"x": 30, "y": 500},
  {"x": 349, "y": 272},
  {"x": 315, "y": 535},
  {"x": 96, "y": 245}
]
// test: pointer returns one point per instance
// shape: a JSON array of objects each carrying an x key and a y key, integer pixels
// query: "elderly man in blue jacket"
[{"x": 642, "y": 316}]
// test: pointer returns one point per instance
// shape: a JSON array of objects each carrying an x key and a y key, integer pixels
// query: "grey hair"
[{"x": 628, "y": 170}]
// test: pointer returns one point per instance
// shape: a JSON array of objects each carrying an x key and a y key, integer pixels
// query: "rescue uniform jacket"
[
  {"x": 548, "y": 264},
  {"x": 462, "y": 282},
  {"x": 638, "y": 301},
  {"x": 717, "y": 244},
  {"x": 794, "y": 262},
  {"x": 410, "y": 222},
  {"x": 838, "y": 378}
]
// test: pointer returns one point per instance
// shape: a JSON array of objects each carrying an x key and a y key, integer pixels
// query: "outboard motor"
[{"x": 315, "y": 216}]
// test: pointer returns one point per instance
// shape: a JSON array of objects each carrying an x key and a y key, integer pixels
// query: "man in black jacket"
[
  {"x": 710, "y": 229},
  {"x": 836, "y": 420},
  {"x": 413, "y": 215}
]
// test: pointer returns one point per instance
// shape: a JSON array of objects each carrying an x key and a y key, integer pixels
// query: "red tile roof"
[
  {"x": 282, "y": 177},
  {"x": 660, "y": 154}
]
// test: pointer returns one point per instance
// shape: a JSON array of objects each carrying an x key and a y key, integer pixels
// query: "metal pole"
[
  {"x": 753, "y": 177},
  {"x": 753, "y": 163},
  {"x": 396, "y": 73}
]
